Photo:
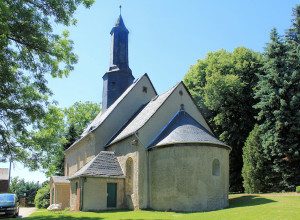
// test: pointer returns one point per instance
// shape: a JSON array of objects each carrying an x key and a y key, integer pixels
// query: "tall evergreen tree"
[
  {"x": 278, "y": 92},
  {"x": 59, "y": 163}
]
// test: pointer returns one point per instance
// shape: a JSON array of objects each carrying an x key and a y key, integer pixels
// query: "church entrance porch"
[{"x": 111, "y": 195}]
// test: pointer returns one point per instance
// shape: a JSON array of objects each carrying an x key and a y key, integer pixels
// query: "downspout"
[
  {"x": 148, "y": 178},
  {"x": 81, "y": 194}
]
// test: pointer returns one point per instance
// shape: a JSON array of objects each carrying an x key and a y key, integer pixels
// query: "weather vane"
[{"x": 120, "y": 9}]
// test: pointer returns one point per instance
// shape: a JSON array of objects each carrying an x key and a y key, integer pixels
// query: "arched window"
[
  {"x": 78, "y": 162},
  {"x": 216, "y": 167},
  {"x": 67, "y": 169},
  {"x": 129, "y": 176},
  {"x": 84, "y": 158}
]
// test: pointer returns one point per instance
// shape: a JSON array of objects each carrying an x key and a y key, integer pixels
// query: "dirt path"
[{"x": 25, "y": 212}]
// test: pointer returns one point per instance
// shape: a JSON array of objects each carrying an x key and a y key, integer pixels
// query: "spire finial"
[{"x": 120, "y": 9}]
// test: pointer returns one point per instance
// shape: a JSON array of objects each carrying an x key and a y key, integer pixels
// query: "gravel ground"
[{"x": 25, "y": 212}]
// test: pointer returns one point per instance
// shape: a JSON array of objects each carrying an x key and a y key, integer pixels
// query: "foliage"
[
  {"x": 20, "y": 187},
  {"x": 254, "y": 162},
  {"x": 29, "y": 50},
  {"x": 279, "y": 103},
  {"x": 58, "y": 131},
  {"x": 241, "y": 207},
  {"x": 222, "y": 85},
  {"x": 59, "y": 160},
  {"x": 42, "y": 198},
  {"x": 298, "y": 189}
]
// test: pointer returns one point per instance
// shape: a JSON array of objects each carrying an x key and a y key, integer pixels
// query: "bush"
[
  {"x": 298, "y": 189},
  {"x": 42, "y": 198},
  {"x": 20, "y": 187},
  {"x": 254, "y": 163}
]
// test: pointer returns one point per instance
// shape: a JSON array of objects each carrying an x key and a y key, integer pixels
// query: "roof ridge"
[
  {"x": 108, "y": 111},
  {"x": 171, "y": 90}
]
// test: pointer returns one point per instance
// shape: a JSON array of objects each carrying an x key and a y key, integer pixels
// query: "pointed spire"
[
  {"x": 119, "y": 76},
  {"x": 120, "y": 22}
]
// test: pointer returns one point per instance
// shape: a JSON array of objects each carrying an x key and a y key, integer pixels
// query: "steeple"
[
  {"x": 119, "y": 76},
  {"x": 119, "y": 47}
]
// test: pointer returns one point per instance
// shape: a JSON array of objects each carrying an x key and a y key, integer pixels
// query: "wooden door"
[{"x": 111, "y": 195}]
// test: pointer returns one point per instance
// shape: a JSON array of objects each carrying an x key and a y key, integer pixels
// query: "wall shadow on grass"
[
  {"x": 243, "y": 201},
  {"x": 59, "y": 217}
]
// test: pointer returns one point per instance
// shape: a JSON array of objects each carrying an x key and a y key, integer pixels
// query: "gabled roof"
[
  {"x": 139, "y": 120},
  {"x": 60, "y": 179},
  {"x": 183, "y": 128},
  {"x": 103, "y": 115},
  {"x": 105, "y": 164}
]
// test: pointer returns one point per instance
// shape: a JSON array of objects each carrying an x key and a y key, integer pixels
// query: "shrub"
[
  {"x": 42, "y": 198},
  {"x": 254, "y": 163},
  {"x": 298, "y": 189}
]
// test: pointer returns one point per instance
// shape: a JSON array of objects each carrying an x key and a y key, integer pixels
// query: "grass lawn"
[{"x": 241, "y": 207}]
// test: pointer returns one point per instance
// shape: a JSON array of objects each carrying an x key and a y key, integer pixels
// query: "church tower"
[{"x": 119, "y": 77}]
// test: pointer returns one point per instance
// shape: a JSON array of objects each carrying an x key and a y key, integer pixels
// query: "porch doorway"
[{"x": 111, "y": 195}]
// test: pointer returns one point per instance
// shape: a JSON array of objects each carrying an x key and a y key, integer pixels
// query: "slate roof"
[
  {"x": 139, "y": 120},
  {"x": 103, "y": 115},
  {"x": 105, "y": 164},
  {"x": 183, "y": 128},
  {"x": 60, "y": 179}
]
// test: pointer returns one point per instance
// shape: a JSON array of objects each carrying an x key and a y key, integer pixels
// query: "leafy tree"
[
  {"x": 254, "y": 168},
  {"x": 279, "y": 103},
  {"x": 20, "y": 187},
  {"x": 58, "y": 131},
  {"x": 222, "y": 85},
  {"x": 28, "y": 51},
  {"x": 42, "y": 198}
]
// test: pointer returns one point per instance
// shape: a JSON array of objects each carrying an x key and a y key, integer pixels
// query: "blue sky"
[{"x": 166, "y": 37}]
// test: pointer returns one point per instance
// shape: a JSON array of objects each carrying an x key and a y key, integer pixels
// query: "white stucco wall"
[
  {"x": 95, "y": 193},
  {"x": 167, "y": 111},
  {"x": 129, "y": 147},
  {"x": 94, "y": 142},
  {"x": 181, "y": 178}
]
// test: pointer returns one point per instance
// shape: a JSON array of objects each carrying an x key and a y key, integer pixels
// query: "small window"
[
  {"x": 76, "y": 187},
  {"x": 113, "y": 85},
  {"x": 144, "y": 89},
  {"x": 129, "y": 176},
  {"x": 216, "y": 167},
  {"x": 78, "y": 162},
  {"x": 67, "y": 169},
  {"x": 84, "y": 158}
]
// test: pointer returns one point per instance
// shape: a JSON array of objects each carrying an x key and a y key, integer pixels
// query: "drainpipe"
[
  {"x": 148, "y": 178},
  {"x": 81, "y": 194}
]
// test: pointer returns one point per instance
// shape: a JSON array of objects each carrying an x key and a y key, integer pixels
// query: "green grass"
[{"x": 241, "y": 207}]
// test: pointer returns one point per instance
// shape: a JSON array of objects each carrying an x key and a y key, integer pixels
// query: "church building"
[{"x": 143, "y": 150}]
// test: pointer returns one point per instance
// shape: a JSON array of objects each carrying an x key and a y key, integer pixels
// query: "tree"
[
  {"x": 222, "y": 85},
  {"x": 57, "y": 131},
  {"x": 20, "y": 187},
  {"x": 254, "y": 164},
  {"x": 28, "y": 51},
  {"x": 42, "y": 198},
  {"x": 59, "y": 160},
  {"x": 279, "y": 103}
]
